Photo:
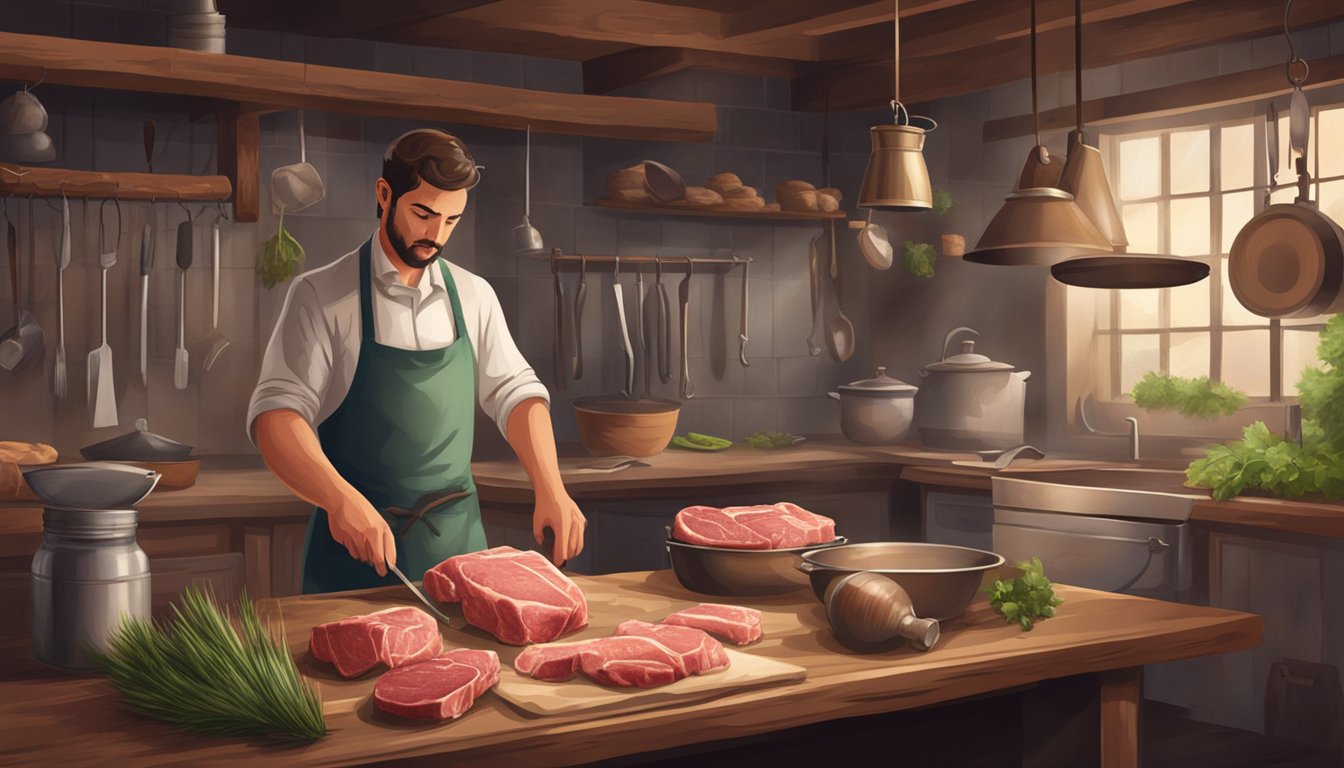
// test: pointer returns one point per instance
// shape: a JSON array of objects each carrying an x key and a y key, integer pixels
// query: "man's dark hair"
[{"x": 428, "y": 155}]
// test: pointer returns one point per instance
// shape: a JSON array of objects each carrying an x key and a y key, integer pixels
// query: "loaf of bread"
[
  {"x": 752, "y": 203},
  {"x": 626, "y": 178},
  {"x": 740, "y": 192},
  {"x": 26, "y": 453},
  {"x": 640, "y": 196},
  {"x": 791, "y": 188},
  {"x": 827, "y": 201},
  {"x": 12, "y": 486},
  {"x": 723, "y": 182},
  {"x": 699, "y": 197},
  {"x": 803, "y": 200}
]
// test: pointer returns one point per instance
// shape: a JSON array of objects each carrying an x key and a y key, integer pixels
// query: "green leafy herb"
[
  {"x": 200, "y": 673},
  {"x": 1199, "y": 398},
  {"x": 918, "y": 258},
  {"x": 942, "y": 201},
  {"x": 1263, "y": 461},
  {"x": 1027, "y": 598},
  {"x": 771, "y": 440},
  {"x": 279, "y": 257},
  {"x": 695, "y": 441}
]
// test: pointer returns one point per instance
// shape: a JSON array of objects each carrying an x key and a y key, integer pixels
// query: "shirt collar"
[{"x": 386, "y": 275}]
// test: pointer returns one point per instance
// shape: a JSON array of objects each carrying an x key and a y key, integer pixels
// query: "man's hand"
[
  {"x": 562, "y": 516},
  {"x": 359, "y": 528}
]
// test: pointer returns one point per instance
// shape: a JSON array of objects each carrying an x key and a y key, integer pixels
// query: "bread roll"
[
  {"x": 640, "y": 196},
  {"x": 771, "y": 207},
  {"x": 722, "y": 182},
  {"x": 699, "y": 196},
  {"x": 27, "y": 453},
  {"x": 827, "y": 202},
  {"x": 12, "y": 485},
  {"x": 790, "y": 188},
  {"x": 804, "y": 200},
  {"x": 832, "y": 192},
  {"x": 626, "y": 178},
  {"x": 740, "y": 192},
  {"x": 752, "y": 203}
]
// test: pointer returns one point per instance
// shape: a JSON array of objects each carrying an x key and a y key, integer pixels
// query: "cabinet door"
[{"x": 224, "y": 574}]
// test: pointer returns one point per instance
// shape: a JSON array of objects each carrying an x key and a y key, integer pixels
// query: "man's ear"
[{"x": 383, "y": 193}]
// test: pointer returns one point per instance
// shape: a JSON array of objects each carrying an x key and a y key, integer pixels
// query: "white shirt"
[{"x": 310, "y": 361}]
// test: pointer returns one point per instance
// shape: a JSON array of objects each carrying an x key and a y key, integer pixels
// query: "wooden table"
[{"x": 1094, "y": 633}]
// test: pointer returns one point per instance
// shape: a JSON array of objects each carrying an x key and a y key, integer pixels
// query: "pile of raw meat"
[
  {"x": 517, "y": 596},
  {"x": 765, "y": 526},
  {"x": 425, "y": 682},
  {"x": 644, "y": 655}
]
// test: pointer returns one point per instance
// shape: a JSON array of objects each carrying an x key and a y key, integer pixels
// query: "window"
[{"x": 1187, "y": 192}]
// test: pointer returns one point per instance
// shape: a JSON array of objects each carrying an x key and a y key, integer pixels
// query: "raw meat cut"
[
  {"x": 517, "y": 596},
  {"x": 552, "y": 662},
  {"x": 699, "y": 652},
  {"x": 733, "y": 623},
  {"x": 711, "y": 527},
  {"x": 765, "y": 526},
  {"x": 394, "y": 637},
  {"x": 441, "y": 688},
  {"x": 631, "y": 662}
]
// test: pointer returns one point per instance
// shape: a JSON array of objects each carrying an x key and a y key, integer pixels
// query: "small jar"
[{"x": 88, "y": 575}]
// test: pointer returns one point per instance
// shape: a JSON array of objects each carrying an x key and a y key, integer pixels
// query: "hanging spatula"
[
  {"x": 62, "y": 261},
  {"x": 102, "y": 391},
  {"x": 181, "y": 360}
]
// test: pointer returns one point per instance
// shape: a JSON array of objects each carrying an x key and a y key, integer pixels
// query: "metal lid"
[
  {"x": 140, "y": 445},
  {"x": 880, "y": 385},
  {"x": 968, "y": 361}
]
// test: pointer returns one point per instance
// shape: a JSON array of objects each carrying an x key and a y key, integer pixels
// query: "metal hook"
[
  {"x": 184, "y": 207},
  {"x": 583, "y": 267},
  {"x": 658, "y": 268},
  {"x": 616, "y": 272},
  {"x": 1293, "y": 57},
  {"x": 27, "y": 87},
  {"x": 223, "y": 214},
  {"x": 690, "y": 265}
]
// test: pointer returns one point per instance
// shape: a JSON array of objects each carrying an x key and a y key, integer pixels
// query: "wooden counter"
[{"x": 1094, "y": 632}]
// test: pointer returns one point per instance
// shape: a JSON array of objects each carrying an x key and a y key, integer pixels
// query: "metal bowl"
[
  {"x": 91, "y": 485},
  {"x": 739, "y": 572},
  {"x": 941, "y": 579}
]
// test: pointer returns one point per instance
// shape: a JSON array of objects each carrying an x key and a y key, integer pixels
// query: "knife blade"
[
  {"x": 421, "y": 595},
  {"x": 146, "y": 264}
]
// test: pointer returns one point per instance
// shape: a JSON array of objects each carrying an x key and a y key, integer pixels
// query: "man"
[{"x": 367, "y": 390}]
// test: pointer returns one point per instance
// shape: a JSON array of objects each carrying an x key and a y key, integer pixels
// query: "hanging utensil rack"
[
  {"x": 25, "y": 181},
  {"x": 670, "y": 263}
]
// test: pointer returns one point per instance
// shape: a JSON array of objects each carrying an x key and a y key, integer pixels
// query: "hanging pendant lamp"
[
  {"x": 1085, "y": 178},
  {"x": 897, "y": 178},
  {"x": 1039, "y": 224}
]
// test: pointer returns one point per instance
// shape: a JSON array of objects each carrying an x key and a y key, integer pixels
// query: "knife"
[
  {"x": 684, "y": 296},
  {"x": 440, "y": 615},
  {"x": 1272, "y": 142},
  {"x": 580, "y": 294},
  {"x": 625, "y": 329},
  {"x": 146, "y": 263}
]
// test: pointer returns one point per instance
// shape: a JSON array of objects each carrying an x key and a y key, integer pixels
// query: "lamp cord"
[
  {"x": 1078, "y": 66},
  {"x": 1293, "y": 57},
  {"x": 1035, "y": 119},
  {"x": 896, "y": 51}
]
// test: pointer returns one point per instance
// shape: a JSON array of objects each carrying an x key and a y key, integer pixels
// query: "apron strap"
[
  {"x": 458, "y": 323},
  {"x": 365, "y": 300}
]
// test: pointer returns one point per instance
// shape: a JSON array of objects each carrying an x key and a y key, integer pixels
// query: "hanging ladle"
[
  {"x": 840, "y": 339},
  {"x": 524, "y": 239}
]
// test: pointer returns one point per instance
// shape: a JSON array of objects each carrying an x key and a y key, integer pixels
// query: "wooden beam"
[
  {"x": 607, "y": 73},
  {"x": 92, "y": 64},
  {"x": 867, "y": 83},
  {"x": 336, "y": 18},
  {"x": 238, "y": 156},
  {"x": 19, "y": 181},
  {"x": 785, "y": 17},
  {"x": 1220, "y": 91},
  {"x": 471, "y": 35}
]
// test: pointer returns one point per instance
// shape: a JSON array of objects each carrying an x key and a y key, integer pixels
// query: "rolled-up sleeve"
[
  {"x": 296, "y": 367},
  {"x": 503, "y": 377}
]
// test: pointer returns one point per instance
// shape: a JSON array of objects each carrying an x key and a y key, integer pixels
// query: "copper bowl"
[{"x": 611, "y": 425}]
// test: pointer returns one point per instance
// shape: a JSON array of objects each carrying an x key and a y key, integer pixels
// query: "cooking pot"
[
  {"x": 877, "y": 410},
  {"x": 969, "y": 402}
]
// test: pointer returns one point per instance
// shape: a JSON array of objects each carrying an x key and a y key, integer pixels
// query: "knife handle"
[
  {"x": 147, "y": 251},
  {"x": 579, "y": 297},
  {"x": 561, "y": 382}
]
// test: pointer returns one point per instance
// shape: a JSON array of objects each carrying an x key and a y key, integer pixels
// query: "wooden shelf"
[
  {"x": 269, "y": 85},
  {"x": 19, "y": 181},
  {"x": 721, "y": 213}
]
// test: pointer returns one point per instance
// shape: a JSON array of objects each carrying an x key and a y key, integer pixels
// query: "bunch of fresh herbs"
[
  {"x": 1198, "y": 398},
  {"x": 280, "y": 257},
  {"x": 1026, "y": 599},
  {"x": 200, "y": 673},
  {"x": 918, "y": 258},
  {"x": 1265, "y": 462},
  {"x": 769, "y": 439}
]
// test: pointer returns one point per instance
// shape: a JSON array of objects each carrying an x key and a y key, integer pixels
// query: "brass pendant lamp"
[
  {"x": 1039, "y": 223},
  {"x": 897, "y": 178},
  {"x": 1085, "y": 178}
]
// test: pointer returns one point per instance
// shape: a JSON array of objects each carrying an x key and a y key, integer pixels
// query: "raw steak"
[
  {"x": 441, "y": 688},
  {"x": 764, "y": 526},
  {"x": 699, "y": 652},
  {"x": 394, "y": 637},
  {"x": 710, "y": 527},
  {"x": 631, "y": 662},
  {"x": 733, "y": 623},
  {"x": 552, "y": 662},
  {"x": 517, "y": 596}
]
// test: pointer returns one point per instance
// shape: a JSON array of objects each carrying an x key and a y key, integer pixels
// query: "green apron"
[{"x": 402, "y": 434}]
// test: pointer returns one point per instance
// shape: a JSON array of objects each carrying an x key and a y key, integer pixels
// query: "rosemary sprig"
[{"x": 199, "y": 673}]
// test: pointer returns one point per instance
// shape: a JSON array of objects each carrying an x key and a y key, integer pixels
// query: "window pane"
[
  {"x": 1284, "y": 194},
  {"x": 1190, "y": 305},
  {"x": 1139, "y": 309},
  {"x": 1238, "y": 156},
  {"x": 1189, "y": 354},
  {"x": 1246, "y": 361},
  {"x": 1190, "y": 161},
  {"x": 1299, "y": 352},
  {"x": 1138, "y": 355},
  {"x": 1330, "y": 133},
  {"x": 1287, "y": 173},
  {"x": 1238, "y": 208},
  {"x": 1189, "y": 224},
  {"x": 1140, "y": 168},
  {"x": 1141, "y": 228},
  {"x": 1233, "y": 312},
  {"x": 1331, "y": 200}
]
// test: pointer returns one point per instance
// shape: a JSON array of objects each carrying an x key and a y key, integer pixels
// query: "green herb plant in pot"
[{"x": 954, "y": 245}]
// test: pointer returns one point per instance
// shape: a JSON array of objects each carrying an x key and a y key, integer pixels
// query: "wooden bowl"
[
  {"x": 610, "y": 425},
  {"x": 173, "y": 475}
]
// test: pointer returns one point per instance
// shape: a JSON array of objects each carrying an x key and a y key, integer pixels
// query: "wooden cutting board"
[{"x": 582, "y": 695}]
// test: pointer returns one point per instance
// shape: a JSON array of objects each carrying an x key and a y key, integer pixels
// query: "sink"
[{"x": 1126, "y": 492}]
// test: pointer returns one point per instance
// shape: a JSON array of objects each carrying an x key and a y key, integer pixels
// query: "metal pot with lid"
[
  {"x": 970, "y": 402},
  {"x": 877, "y": 410}
]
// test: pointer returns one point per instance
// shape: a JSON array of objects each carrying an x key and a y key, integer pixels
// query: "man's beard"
[{"x": 403, "y": 249}]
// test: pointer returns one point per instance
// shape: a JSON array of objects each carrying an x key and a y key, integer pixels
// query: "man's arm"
[
  {"x": 292, "y": 451},
  {"x": 529, "y": 433}
]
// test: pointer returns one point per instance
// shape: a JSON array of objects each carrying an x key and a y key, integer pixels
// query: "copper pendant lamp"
[
  {"x": 1039, "y": 224},
  {"x": 897, "y": 179},
  {"x": 1085, "y": 178}
]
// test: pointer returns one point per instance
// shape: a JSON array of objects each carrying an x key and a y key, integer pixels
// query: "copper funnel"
[
  {"x": 897, "y": 178},
  {"x": 1037, "y": 226}
]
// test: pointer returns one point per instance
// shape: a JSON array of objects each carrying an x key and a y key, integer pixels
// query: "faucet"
[
  {"x": 1133, "y": 438},
  {"x": 1133, "y": 428}
]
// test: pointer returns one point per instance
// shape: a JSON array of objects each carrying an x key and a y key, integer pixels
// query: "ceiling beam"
[
  {"x": 1221, "y": 91},
  {"x": 794, "y": 17},
  {"x": 608, "y": 73},
  {"x": 336, "y": 18},
  {"x": 867, "y": 82}
]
